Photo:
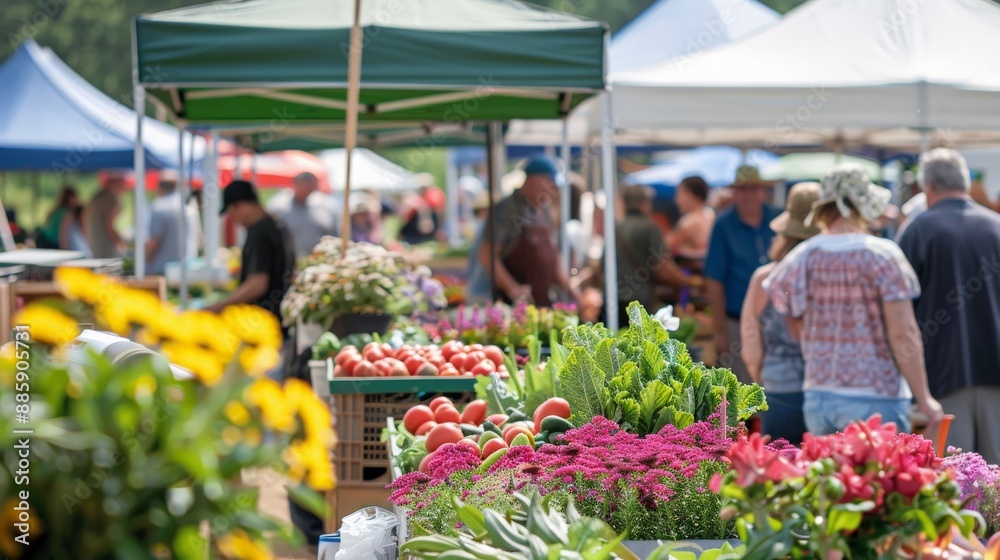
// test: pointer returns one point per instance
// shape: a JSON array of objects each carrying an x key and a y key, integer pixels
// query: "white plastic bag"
[{"x": 368, "y": 534}]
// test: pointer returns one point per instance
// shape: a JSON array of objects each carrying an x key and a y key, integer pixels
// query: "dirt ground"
[{"x": 274, "y": 502}]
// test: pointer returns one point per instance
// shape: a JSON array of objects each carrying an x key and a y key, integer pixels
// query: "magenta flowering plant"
[
  {"x": 979, "y": 483},
  {"x": 653, "y": 487}
]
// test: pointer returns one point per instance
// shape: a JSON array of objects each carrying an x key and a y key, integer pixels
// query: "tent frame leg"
[
  {"x": 610, "y": 252},
  {"x": 139, "y": 235}
]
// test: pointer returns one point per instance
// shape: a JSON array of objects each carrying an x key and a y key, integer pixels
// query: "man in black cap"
[{"x": 268, "y": 252}]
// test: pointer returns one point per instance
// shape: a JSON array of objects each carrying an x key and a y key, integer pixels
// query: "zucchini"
[
  {"x": 515, "y": 415},
  {"x": 470, "y": 430},
  {"x": 541, "y": 437},
  {"x": 491, "y": 427},
  {"x": 555, "y": 424}
]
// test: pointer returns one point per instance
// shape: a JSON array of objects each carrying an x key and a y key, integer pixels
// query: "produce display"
[
  {"x": 507, "y": 326},
  {"x": 627, "y": 431},
  {"x": 452, "y": 359}
]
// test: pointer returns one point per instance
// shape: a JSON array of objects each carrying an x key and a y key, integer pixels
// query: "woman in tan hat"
[
  {"x": 849, "y": 295},
  {"x": 772, "y": 355}
]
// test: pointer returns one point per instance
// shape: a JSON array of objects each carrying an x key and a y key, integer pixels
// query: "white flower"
[{"x": 666, "y": 318}]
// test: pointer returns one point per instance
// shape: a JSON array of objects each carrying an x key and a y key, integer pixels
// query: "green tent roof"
[{"x": 423, "y": 60}]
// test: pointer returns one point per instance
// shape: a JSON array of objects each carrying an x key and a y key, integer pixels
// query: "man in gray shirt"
[
  {"x": 307, "y": 213},
  {"x": 165, "y": 244},
  {"x": 954, "y": 247}
]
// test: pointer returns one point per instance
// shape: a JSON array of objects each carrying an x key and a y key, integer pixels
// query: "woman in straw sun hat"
[
  {"x": 849, "y": 298},
  {"x": 772, "y": 355}
]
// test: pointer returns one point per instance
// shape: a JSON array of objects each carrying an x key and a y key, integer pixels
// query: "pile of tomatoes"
[
  {"x": 440, "y": 423},
  {"x": 451, "y": 359}
]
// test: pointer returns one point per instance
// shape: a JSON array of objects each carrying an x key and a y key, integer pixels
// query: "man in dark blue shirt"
[
  {"x": 740, "y": 240},
  {"x": 954, "y": 247}
]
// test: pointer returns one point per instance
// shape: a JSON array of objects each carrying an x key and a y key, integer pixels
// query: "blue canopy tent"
[
  {"x": 54, "y": 120},
  {"x": 716, "y": 164}
]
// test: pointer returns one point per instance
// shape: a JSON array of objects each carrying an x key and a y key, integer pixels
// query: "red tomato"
[
  {"x": 416, "y": 417},
  {"x": 498, "y": 419},
  {"x": 448, "y": 371},
  {"x": 484, "y": 367},
  {"x": 474, "y": 413},
  {"x": 492, "y": 446},
  {"x": 365, "y": 369},
  {"x": 373, "y": 352},
  {"x": 447, "y": 413},
  {"x": 427, "y": 370},
  {"x": 388, "y": 350},
  {"x": 494, "y": 354},
  {"x": 438, "y": 401},
  {"x": 423, "y": 463},
  {"x": 338, "y": 371},
  {"x": 451, "y": 348},
  {"x": 425, "y": 427},
  {"x": 384, "y": 367},
  {"x": 458, "y": 360},
  {"x": 404, "y": 355},
  {"x": 511, "y": 432},
  {"x": 475, "y": 347},
  {"x": 350, "y": 364},
  {"x": 442, "y": 434},
  {"x": 552, "y": 407},
  {"x": 413, "y": 364},
  {"x": 472, "y": 360},
  {"x": 345, "y": 353},
  {"x": 396, "y": 368},
  {"x": 468, "y": 444}
]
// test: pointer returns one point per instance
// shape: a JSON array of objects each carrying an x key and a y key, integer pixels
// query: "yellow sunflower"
[
  {"x": 84, "y": 285},
  {"x": 206, "y": 366},
  {"x": 237, "y": 545},
  {"x": 209, "y": 330},
  {"x": 258, "y": 360},
  {"x": 265, "y": 395},
  {"x": 253, "y": 325},
  {"x": 310, "y": 463},
  {"x": 48, "y": 326}
]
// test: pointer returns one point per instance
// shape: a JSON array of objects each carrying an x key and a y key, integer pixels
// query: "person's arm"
[
  {"x": 716, "y": 264},
  {"x": 750, "y": 328},
  {"x": 64, "y": 226},
  {"x": 908, "y": 350},
  {"x": 680, "y": 236},
  {"x": 109, "y": 226},
  {"x": 502, "y": 278},
  {"x": 717, "y": 300},
  {"x": 152, "y": 246},
  {"x": 251, "y": 290}
]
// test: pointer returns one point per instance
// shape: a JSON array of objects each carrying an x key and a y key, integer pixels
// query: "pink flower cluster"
[
  {"x": 972, "y": 474},
  {"x": 598, "y": 461},
  {"x": 872, "y": 460}
]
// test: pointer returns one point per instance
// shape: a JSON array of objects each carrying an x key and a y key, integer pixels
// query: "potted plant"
[
  {"x": 359, "y": 291},
  {"x": 132, "y": 461}
]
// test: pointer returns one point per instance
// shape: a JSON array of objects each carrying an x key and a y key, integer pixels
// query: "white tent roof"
[
  {"x": 864, "y": 71},
  {"x": 665, "y": 30},
  {"x": 368, "y": 171}
]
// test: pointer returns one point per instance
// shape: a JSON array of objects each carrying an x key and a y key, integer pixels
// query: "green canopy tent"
[{"x": 283, "y": 64}]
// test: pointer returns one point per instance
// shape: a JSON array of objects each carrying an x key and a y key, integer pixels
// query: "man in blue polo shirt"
[{"x": 740, "y": 240}]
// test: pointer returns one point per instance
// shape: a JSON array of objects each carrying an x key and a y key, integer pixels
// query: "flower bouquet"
[
  {"x": 368, "y": 279},
  {"x": 131, "y": 461}
]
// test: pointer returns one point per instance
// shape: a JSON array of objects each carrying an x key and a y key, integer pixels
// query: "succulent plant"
[{"x": 536, "y": 532}]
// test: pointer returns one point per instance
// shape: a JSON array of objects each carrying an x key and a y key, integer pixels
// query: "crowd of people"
[{"x": 836, "y": 322}]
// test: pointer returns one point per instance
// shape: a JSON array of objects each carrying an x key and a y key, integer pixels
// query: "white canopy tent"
[
  {"x": 889, "y": 73},
  {"x": 368, "y": 171},
  {"x": 666, "y": 30}
]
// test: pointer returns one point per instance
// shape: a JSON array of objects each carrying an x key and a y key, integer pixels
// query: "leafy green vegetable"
[
  {"x": 497, "y": 394},
  {"x": 642, "y": 379},
  {"x": 583, "y": 386}
]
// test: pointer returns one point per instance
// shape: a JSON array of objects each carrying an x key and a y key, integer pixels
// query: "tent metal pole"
[
  {"x": 140, "y": 185},
  {"x": 452, "y": 222},
  {"x": 182, "y": 186},
  {"x": 5, "y": 233},
  {"x": 495, "y": 166},
  {"x": 567, "y": 194},
  {"x": 210, "y": 202},
  {"x": 608, "y": 183}
]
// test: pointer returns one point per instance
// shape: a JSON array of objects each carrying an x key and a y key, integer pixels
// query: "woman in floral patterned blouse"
[{"x": 849, "y": 295}]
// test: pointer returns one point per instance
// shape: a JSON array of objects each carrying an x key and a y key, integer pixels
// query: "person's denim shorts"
[
  {"x": 827, "y": 413},
  {"x": 784, "y": 418}
]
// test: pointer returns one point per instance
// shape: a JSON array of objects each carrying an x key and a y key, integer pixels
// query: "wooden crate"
[
  {"x": 349, "y": 497},
  {"x": 360, "y": 408}
]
